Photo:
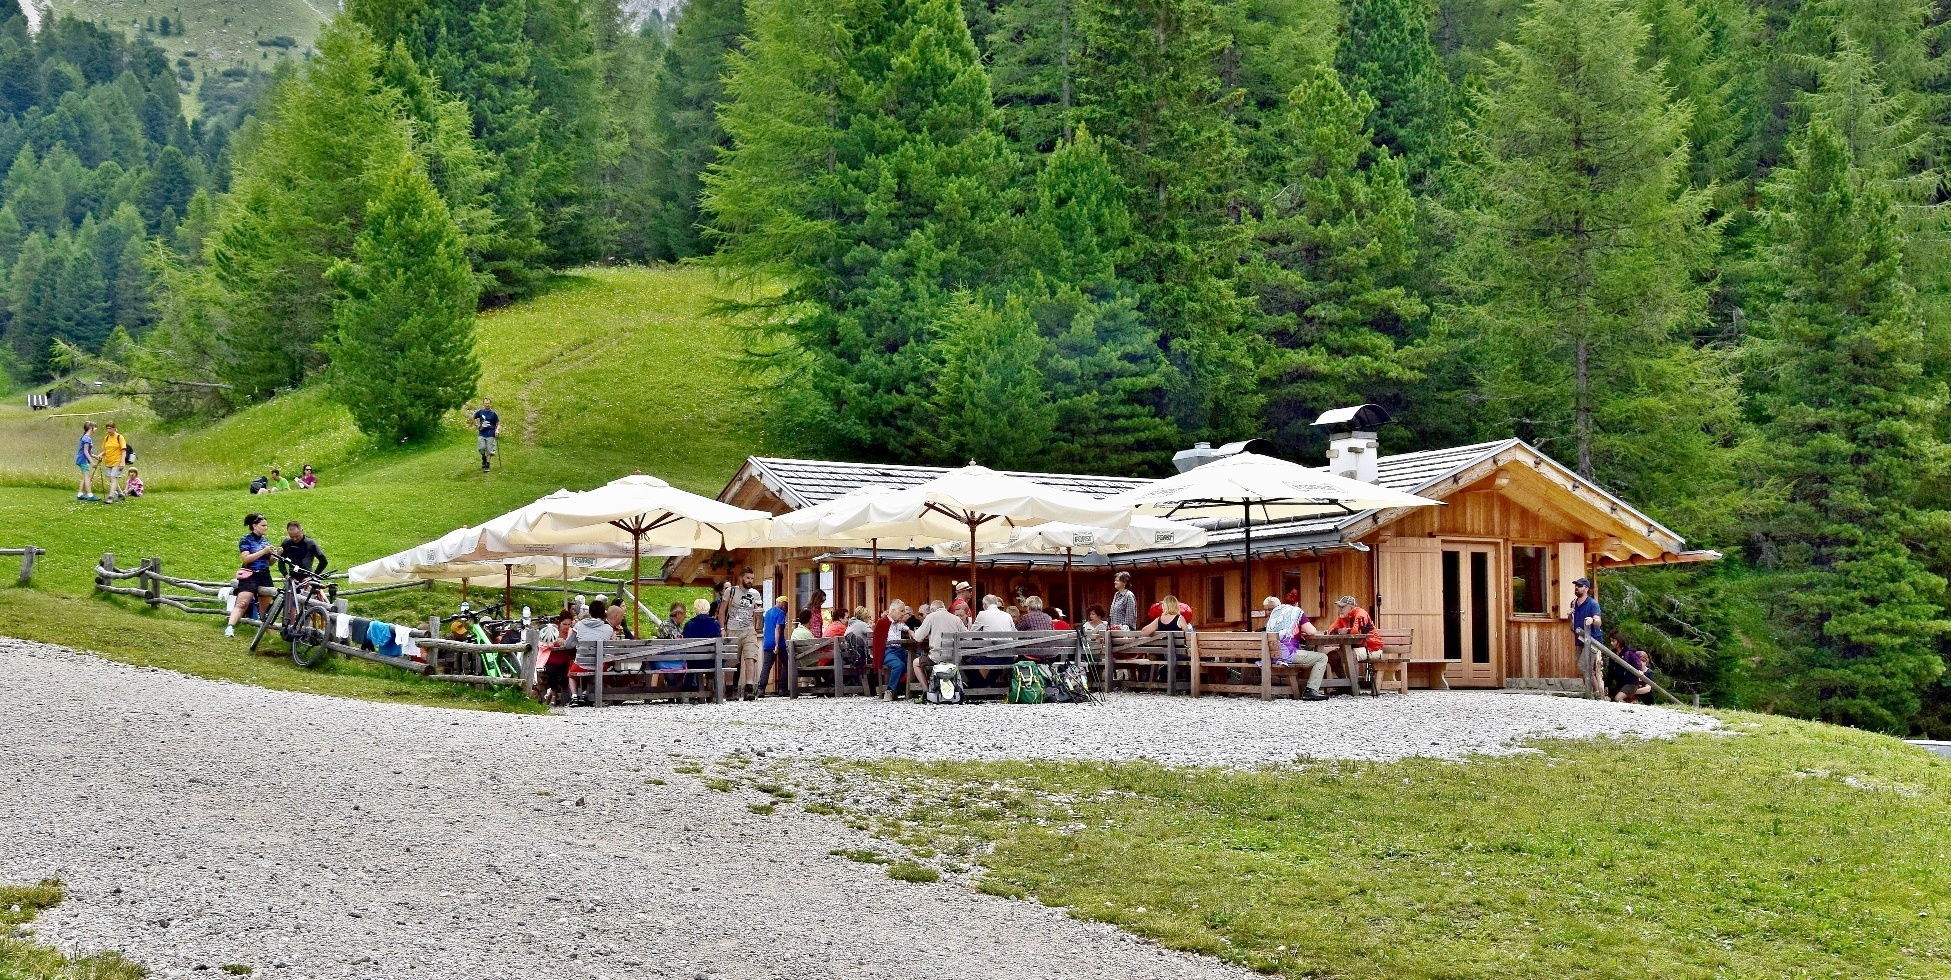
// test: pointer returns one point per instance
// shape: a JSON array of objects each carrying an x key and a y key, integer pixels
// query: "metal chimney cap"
[
  {"x": 1202, "y": 453},
  {"x": 1356, "y": 418}
]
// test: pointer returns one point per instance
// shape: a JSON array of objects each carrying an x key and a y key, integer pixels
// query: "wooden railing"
[
  {"x": 447, "y": 659},
  {"x": 27, "y": 556}
]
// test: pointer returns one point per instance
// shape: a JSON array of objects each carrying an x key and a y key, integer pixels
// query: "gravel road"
[{"x": 201, "y": 823}]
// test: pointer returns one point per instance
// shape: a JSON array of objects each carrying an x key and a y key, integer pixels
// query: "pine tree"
[
  {"x": 1149, "y": 87},
  {"x": 1335, "y": 252},
  {"x": 689, "y": 87},
  {"x": 1387, "y": 56},
  {"x": 1851, "y": 436},
  {"x": 403, "y": 352},
  {"x": 1033, "y": 49},
  {"x": 863, "y": 177},
  {"x": 1581, "y": 269}
]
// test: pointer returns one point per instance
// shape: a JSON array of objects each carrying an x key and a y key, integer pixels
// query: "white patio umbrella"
[
  {"x": 483, "y": 551},
  {"x": 973, "y": 501},
  {"x": 1249, "y": 483},
  {"x": 642, "y": 510},
  {"x": 1145, "y": 533}
]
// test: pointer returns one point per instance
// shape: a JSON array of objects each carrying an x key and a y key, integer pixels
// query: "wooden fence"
[
  {"x": 27, "y": 556},
  {"x": 447, "y": 659}
]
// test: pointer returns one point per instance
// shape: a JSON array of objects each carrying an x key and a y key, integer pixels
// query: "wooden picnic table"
[{"x": 1345, "y": 644}]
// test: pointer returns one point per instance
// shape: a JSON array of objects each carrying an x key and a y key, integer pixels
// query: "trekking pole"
[{"x": 1635, "y": 671}]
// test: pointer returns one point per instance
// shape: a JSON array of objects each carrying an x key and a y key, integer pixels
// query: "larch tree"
[
  {"x": 1582, "y": 273},
  {"x": 1850, "y": 425},
  {"x": 403, "y": 349},
  {"x": 1386, "y": 55}
]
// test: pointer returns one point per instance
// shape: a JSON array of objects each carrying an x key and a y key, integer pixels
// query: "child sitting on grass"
[{"x": 135, "y": 482}]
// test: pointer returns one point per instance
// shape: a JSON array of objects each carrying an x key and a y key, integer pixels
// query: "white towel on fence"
[
  {"x": 225, "y": 595},
  {"x": 408, "y": 648},
  {"x": 341, "y": 626}
]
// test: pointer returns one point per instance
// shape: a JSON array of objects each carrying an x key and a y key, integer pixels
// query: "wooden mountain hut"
[{"x": 1485, "y": 581}]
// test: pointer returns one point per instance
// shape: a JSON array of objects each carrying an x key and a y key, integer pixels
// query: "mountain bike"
[{"x": 300, "y": 614}]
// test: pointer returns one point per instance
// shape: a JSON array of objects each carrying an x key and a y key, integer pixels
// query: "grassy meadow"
[
  {"x": 1776, "y": 848},
  {"x": 595, "y": 379},
  {"x": 23, "y": 959}
]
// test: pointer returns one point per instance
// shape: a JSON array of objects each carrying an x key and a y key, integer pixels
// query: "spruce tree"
[
  {"x": 690, "y": 84},
  {"x": 1335, "y": 257},
  {"x": 1149, "y": 87},
  {"x": 1386, "y": 55},
  {"x": 989, "y": 403},
  {"x": 1851, "y": 435},
  {"x": 1581, "y": 271},
  {"x": 1104, "y": 371},
  {"x": 403, "y": 351},
  {"x": 863, "y": 177}
]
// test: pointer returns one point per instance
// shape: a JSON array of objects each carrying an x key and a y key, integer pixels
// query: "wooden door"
[
  {"x": 1473, "y": 604},
  {"x": 1409, "y": 593}
]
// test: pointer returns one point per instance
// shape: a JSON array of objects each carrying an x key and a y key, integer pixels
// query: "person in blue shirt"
[
  {"x": 1586, "y": 621},
  {"x": 254, "y": 553},
  {"x": 85, "y": 458},
  {"x": 776, "y": 650},
  {"x": 486, "y": 426}
]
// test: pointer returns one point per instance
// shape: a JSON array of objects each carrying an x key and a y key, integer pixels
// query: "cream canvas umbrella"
[
  {"x": 973, "y": 502},
  {"x": 641, "y": 510},
  {"x": 1144, "y": 533},
  {"x": 1249, "y": 485},
  {"x": 483, "y": 551}
]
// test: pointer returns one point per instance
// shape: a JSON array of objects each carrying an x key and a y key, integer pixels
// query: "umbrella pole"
[
  {"x": 975, "y": 594},
  {"x": 874, "y": 575},
  {"x": 636, "y": 576},
  {"x": 1070, "y": 587},
  {"x": 1246, "y": 581},
  {"x": 565, "y": 581},
  {"x": 463, "y": 590}
]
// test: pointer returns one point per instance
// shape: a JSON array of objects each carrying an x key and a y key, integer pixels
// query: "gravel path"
[{"x": 200, "y": 823}]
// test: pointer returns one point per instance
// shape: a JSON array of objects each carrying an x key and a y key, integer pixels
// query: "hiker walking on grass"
[
  {"x": 487, "y": 425},
  {"x": 85, "y": 458}
]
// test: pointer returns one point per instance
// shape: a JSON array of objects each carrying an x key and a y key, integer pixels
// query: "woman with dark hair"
[
  {"x": 254, "y": 553},
  {"x": 553, "y": 688}
]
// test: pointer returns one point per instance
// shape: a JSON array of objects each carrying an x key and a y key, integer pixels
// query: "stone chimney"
[{"x": 1352, "y": 447}]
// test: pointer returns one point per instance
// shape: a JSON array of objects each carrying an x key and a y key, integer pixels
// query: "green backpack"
[{"x": 1025, "y": 683}]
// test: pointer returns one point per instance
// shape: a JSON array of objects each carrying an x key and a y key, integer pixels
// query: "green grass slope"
[
  {"x": 1777, "y": 848},
  {"x": 608, "y": 372},
  {"x": 222, "y": 33}
]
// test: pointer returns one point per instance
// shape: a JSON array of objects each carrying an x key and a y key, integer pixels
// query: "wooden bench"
[
  {"x": 996, "y": 652},
  {"x": 629, "y": 673},
  {"x": 830, "y": 677},
  {"x": 1152, "y": 663},
  {"x": 1430, "y": 671},
  {"x": 1235, "y": 651},
  {"x": 1389, "y": 666}
]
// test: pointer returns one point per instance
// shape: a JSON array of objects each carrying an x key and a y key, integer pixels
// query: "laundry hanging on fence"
[
  {"x": 341, "y": 626},
  {"x": 380, "y": 635}
]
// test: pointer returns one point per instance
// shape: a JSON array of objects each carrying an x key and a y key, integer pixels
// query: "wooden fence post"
[
  {"x": 151, "y": 584},
  {"x": 27, "y": 563},
  {"x": 532, "y": 638},
  {"x": 433, "y": 655},
  {"x": 107, "y": 565}
]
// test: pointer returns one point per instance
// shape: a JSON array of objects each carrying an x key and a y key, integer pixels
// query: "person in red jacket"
[{"x": 1352, "y": 620}]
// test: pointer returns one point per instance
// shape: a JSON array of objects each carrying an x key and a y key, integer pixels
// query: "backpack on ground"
[
  {"x": 854, "y": 650},
  {"x": 944, "y": 685},
  {"x": 1026, "y": 683},
  {"x": 1070, "y": 684},
  {"x": 260, "y": 484}
]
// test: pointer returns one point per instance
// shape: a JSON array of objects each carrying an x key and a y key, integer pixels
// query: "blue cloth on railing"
[{"x": 380, "y": 635}]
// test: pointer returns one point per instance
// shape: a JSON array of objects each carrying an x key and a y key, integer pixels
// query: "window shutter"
[{"x": 1571, "y": 567}]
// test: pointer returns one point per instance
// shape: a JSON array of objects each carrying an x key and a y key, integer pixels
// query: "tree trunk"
[{"x": 1582, "y": 408}]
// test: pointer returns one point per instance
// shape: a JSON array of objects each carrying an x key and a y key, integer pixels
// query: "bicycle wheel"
[
  {"x": 266, "y": 618},
  {"x": 308, "y": 638}
]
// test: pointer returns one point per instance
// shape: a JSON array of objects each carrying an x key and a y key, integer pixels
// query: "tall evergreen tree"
[
  {"x": 862, "y": 178},
  {"x": 1032, "y": 47},
  {"x": 297, "y": 203},
  {"x": 690, "y": 84},
  {"x": 1105, "y": 373},
  {"x": 1335, "y": 251},
  {"x": 1851, "y": 430},
  {"x": 990, "y": 402},
  {"x": 403, "y": 352},
  {"x": 1149, "y": 87},
  {"x": 1582, "y": 270},
  {"x": 1387, "y": 56}
]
